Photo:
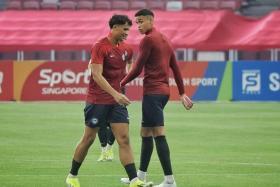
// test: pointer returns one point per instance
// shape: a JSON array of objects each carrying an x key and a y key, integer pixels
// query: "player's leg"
[
  {"x": 120, "y": 131},
  {"x": 120, "y": 128},
  {"x": 164, "y": 157},
  {"x": 102, "y": 135},
  {"x": 147, "y": 138},
  {"x": 149, "y": 106},
  {"x": 94, "y": 116},
  {"x": 119, "y": 125},
  {"x": 160, "y": 140},
  {"x": 80, "y": 154},
  {"x": 110, "y": 142}
]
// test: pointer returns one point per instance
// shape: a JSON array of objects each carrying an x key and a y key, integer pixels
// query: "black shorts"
[
  {"x": 152, "y": 110},
  {"x": 98, "y": 115}
]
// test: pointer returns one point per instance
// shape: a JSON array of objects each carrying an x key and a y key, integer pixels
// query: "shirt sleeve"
[
  {"x": 97, "y": 54},
  {"x": 144, "y": 53},
  {"x": 177, "y": 74}
]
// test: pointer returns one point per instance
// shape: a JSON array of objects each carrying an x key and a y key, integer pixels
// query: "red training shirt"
[{"x": 114, "y": 59}]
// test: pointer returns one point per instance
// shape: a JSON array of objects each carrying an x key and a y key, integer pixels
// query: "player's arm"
[
  {"x": 144, "y": 53},
  {"x": 97, "y": 76},
  {"x": 186, "y": 101}
]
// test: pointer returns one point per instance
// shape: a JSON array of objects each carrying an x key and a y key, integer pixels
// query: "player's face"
[
  {"x": 122, "y": 32},
  {"x": 145, "y": 23}
]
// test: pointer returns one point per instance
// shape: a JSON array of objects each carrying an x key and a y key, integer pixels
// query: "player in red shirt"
[
  {"x": 105, "y": 102},
  {"x": 156, "y": 56},
  {"x": 105, "y": 134}
]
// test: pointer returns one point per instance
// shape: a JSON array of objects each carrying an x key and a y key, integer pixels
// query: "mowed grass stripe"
[{"x": 219, "y": 144}]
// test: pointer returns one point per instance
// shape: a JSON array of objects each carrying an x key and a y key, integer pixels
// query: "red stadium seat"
[
  {"x": 120, "y": 5},
  {"x": 31, "y": 5},
  {"x": 14, "y": 5},
  {"x": 156, "y": 4},
  {"x": 135, "y": 5},
  {"x": 68, "y": 5},
  {"x": 210, "y": 4},
  {"x": 187, "y": 4},
  {"x": 229, "y": 4},
  {"x": 103, "y": 5},
  {"x": 85, "y": 5}
]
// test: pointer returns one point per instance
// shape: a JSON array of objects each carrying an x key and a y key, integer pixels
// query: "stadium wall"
[
  {"x": 207, "y": 81},
  {"x": 6, "y": 81}
]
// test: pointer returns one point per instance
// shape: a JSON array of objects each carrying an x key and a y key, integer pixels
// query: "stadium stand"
[
  {"x": 210, "y": 4},
  {"x": 49, "y": 4},
  {"x": 85, "y": 5},
  {"x": 169, "y": 5},
  {"x": 120, "y": 5},
  {"x": 3, "y": 4},
  {"x": 134, "y": 5},
  {"x": 31, "y": 4},
  {"x": 243, "y": 7},
  {"x": 259, "y": 8},
  {"x": 14, "y": 4},
  {"x": 156, "y": 4},
  {"x": 103, "y": 5},
  {"x": 232, "y": 5},
  {"x": 174, "y": 5},
  {"x": 191, "y": 4},
  {"x": 68, "y": 5},
  {"x": 205, "y": 31}
]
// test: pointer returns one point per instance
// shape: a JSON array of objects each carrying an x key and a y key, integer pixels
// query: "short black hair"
[
  {"x": 144, "y": 12},
  {"x": 119, "y": 20}
]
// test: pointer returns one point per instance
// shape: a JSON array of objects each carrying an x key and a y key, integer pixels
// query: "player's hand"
[
  {"x": 122, "y": 83},
  {"x": 122, "y": 99},
  {"x": 186, "y": 101}
]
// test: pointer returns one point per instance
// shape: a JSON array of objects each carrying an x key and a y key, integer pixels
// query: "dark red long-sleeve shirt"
[{"x": 156, "y": 56}]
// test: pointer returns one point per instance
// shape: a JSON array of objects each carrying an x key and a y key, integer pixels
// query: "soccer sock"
[
  {"x": 108, "y": 147},
  {"x": 131, "y": 171},
  {"x": 103, "y": 149},
  {"x": 102, "y": 135},
  {"x": 169, "y": 179},
  {"x": 146, "y": 152},
  {"x": 163, "y": 154},
  {"x": 75, "y": 167},
  {"x": 141, "y": 175},
  {"x": 111, "y": 137}
]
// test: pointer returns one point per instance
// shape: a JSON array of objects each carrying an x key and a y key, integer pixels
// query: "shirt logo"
[
  {"x": 251, "y": 82},
  {"x": 125, "y": 56},
  {"x": 1, "y": 80},
  {"x": 111, "y": 55},
  {"x": 94, "y": 121}
]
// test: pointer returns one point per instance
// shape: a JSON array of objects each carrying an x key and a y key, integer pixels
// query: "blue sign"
[
  {"x": 256, "y": 81},
  {"x": 210, "y": 83}
]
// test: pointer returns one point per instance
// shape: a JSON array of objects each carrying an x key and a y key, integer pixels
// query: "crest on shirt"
[{"x": 125, "y": 56}]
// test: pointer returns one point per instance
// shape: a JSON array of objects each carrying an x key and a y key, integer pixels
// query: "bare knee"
[
  {"x": 146, "y": 132},
  {"x": 158, "y": 131},
  {"x": 123, "y": 140}
]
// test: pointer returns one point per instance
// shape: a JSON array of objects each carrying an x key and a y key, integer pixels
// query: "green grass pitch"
[{"x": 214, "y": 145}]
